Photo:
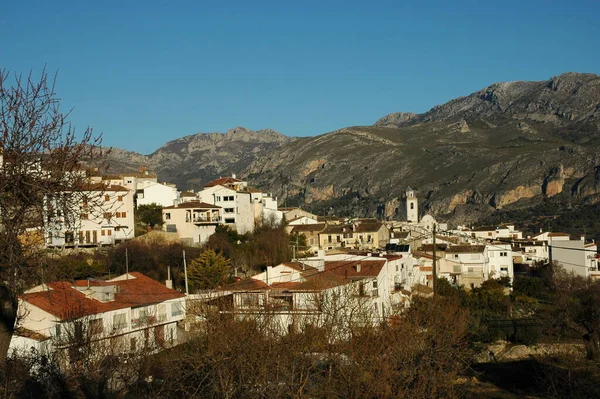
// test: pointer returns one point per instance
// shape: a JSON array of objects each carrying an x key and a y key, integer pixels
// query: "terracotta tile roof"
[
  {"x": 483, "y": 228},
  {"x": 298, "y": 266},
  {"x": 223, "y": 181},
  {"x": 187, "y": 194},
  {"x": 247, "y": 284},
  {"x": 465, "y": 249},
  {"x": 429, "y": 247},
  {"x": 316, "y": 281},
  {"x": 286, "y": 285},
  {"x": 66, "y": 302},
  {"x": 193, "y": 204},
  {"x": 101, "y": 187},
  {"x": 368, "y": 227},
  {"x": 308, "y": 227},
  {"x": 350, "y": 269},
  {"x": 252, "y": 189},
  {"x": 333, "y": 229},
  {"x": 558, "y": 235}
]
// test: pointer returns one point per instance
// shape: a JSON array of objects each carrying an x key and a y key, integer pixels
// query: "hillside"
[
  {"x": 509, "y": 145},
  {"x": 194, "y": 160}
]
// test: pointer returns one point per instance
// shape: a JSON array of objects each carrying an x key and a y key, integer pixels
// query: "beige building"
[{"x": 194, "y": 221}]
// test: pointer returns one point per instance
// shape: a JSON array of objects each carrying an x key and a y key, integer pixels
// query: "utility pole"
[
  {"x": 434, "y": 264},
  {"x": 185, "y": 274}
]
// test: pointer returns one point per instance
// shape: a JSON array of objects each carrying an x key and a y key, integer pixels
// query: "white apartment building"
[
  {"x": 98, "y": 215},
  {"x": 132, "y": 310},
  {"x": 243, "y": 206}
]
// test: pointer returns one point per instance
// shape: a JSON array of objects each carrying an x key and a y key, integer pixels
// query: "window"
[
  {"x": 489, "y": 234},
  {"x": 107, "y": 198},
  {"x": 162, "y": 313},
  {"x": 229, "y": 220},
  {"x": 228, "y": 198},
  {"x": 249, "y": 300},
  {"x": 107, "y": 215},
  {"x": 84, "y": 216},
  {"x": 119, "y": 321},
  {"x": 120, "y": 198},
  {"x": 218, "y": 198},
  {"x": 412, "y": 206},
  {"x": 96, "y": 326},
  {"x": 503, "y": 254},
  {"x": 109, "y": 232},
  {"x": 123, "y": 214},
  {"x": 176, "y": 309},
  {"x": 167, "y": 216},
  {"x": 229, "y": 210},
  {"x": 102, "y": 232}
]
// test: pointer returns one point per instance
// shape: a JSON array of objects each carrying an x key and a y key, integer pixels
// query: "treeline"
[
  {"x": 244, "y": 254},
  {"x": 552, "y": 215}
]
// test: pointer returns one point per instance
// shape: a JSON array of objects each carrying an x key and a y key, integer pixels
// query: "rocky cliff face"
[
  {"x": 509, "y": 145},
  {"x": 194, "y": 160}
]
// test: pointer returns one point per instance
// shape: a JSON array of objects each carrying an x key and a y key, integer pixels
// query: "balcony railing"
[{"x": 203, "y": 220}]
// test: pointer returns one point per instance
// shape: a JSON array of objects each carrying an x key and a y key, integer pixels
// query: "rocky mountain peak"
[{"x": 395, "y": 119}]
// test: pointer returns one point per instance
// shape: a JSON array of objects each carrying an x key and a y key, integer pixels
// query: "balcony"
[{"x": 205, "y": 220}]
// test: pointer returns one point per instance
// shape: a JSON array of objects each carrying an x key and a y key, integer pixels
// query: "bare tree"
[{"x": 40, "y": 155}]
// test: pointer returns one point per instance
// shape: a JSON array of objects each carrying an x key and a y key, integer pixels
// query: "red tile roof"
[
  {"x": 247, "y": 284},
  {"x": 223, "y": 181},
  {"x": 193, "y": 204},
  {"x": 349, "y": 269},
  {"x": 66, "y": 302}
]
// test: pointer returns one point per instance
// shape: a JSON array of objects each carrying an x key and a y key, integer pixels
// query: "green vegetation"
[{"x": 209, "y": 271}]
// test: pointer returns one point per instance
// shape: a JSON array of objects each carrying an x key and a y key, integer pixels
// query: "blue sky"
[{"x": 145, "y": 72}]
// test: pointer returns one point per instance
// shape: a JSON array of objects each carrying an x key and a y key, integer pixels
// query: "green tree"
[
  {"x": 209, "y": 270},
  {"x": 149, "y": 215}
]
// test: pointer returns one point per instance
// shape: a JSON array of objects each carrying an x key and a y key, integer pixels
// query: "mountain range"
[{"x": 510, "y": 145}]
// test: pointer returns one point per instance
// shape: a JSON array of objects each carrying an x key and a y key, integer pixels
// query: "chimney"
[
  {"x": 233, "y": 175},
  {"x": 357, "y": 267},
  {"x": 269, "y": 268}
]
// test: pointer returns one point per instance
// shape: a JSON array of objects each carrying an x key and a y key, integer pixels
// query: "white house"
[
  {"x": 243, "y": 206},
  {"x": 468, "y": 263},
  {"x": 157, "y": 193},
  {"x": 576, "y": 257},
  {"x": 499, "y": 261},
  {"x": 132, "y": 311},
  {"x": 97, "y": 215},
  {"x": 194, "y": 221}
]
